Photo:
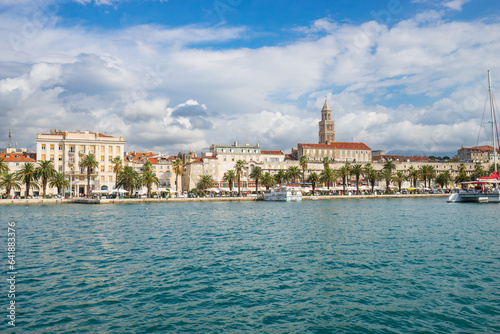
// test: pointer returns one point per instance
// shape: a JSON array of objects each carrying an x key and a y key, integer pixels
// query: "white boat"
[
  {"x": 486, "y": 188},
  {"x": 285, "y": 194}
]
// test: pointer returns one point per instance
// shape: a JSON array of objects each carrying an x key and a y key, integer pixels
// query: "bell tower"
[{"x": 326, "y": 126}]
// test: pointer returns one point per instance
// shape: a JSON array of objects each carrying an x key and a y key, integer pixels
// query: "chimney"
[{"x": 235, "y": 143}]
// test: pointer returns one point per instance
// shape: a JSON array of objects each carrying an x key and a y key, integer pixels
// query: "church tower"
[{"x": 326, "y": 126}]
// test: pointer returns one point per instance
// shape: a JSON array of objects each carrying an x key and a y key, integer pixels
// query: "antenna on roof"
[{"x": 10, "y": 139}]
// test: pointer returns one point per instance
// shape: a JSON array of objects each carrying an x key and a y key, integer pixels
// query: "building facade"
[
  {"x": 481, "y": 154},
  {"x": 15, "y": 161},
  {"x": 66, "y": 150}
]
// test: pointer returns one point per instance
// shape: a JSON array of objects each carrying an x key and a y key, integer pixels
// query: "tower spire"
[{"x": 326, "y": 125}]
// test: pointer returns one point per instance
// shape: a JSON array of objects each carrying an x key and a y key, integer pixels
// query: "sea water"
[{"x": 326, "y": 266}]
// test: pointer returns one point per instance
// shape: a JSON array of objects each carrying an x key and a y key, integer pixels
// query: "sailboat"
[{"x": 482, "y": 193}]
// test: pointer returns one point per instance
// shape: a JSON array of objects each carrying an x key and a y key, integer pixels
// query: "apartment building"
[{"x": 66, "y": 149}]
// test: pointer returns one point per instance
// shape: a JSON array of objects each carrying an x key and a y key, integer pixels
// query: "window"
[
  {"x": 110, "y": 158},
  {"x": 43, "y": 157},
  {"x": 60, "y": 169},
  {"x": 102, "y": 169},
  {"x": 110, "y": 178},
  {"x": 102, "y": 157},
  {"x": 43, "y": 146},
  {"x": 60, "y": 147},
  {"x": 102, "y": 178},
  {"x": 51, "y": 147}
]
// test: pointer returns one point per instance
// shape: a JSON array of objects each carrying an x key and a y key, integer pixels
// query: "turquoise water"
[{"x": 341, "y": 266}]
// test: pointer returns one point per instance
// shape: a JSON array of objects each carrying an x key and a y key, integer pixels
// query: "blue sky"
[{"x": 178, "y": 75}]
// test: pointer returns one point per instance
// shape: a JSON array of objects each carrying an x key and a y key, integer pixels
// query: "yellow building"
[{"x": 67, "y": 149}]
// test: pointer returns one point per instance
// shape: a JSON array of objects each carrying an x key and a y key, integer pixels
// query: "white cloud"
[{"x": 162, "y": 91}]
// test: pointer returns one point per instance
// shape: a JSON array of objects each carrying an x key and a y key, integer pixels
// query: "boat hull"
[
  {"x": 474, "y": 198},
  {"x": 283, "y": 195}
]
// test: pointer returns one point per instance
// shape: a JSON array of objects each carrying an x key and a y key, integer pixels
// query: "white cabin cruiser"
[{"x": 285, "y": 194}]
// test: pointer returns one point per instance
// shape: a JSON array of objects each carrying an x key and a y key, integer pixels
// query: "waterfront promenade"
[{"x": 53, "y": 201}]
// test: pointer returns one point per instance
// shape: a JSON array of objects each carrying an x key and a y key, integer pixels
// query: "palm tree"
[
  {"x": 413, "y": 175},
  {"x": 230, "y": 177},
  {"x": 46, "y": 172},
  {"x": 204, "y": 182},
  {"x": 3, "y": 166},
  {"x": 314, "y": 179},
  {"x": 89, "y": 162},
  {"x": 59, "y": 181},
  {"x": 326, "y": 162},
  {"x": 27, "y": 175},
  {"x": 461, "y": 177},
  {"x": 371, "y": 175},
  {"x": 386, "y": 174},
  {"x": 462, "y": 168},
  {"x": 148, "y": 179},
  {"x": 268, "y": 180},
  {"x": 256, "y": 174},
  {"x": 443, "y": 179},
  {"x": 327, "y": 176},
  {"x": 492, "y": 168},
  {"x": 239, "y": 167},
  {"x": 478, "y": 171},
  {"x": 344, "y": 173},
  {"x": 281, "y": 176},
  {"x": 148, "y": 166},
  {"x": 178, "y": 168},
  {"x": 117, "y": 167},
  {"x": 303, "y": 164},
  {"x": 9, "y": 181},
  {"x": 357, "y": 170},
  {"x": 293, "y": 173},
  {"x": 427, "y": 173},
  {"x": 399, "y": 178},
  {"x": 128, "y": 178}
]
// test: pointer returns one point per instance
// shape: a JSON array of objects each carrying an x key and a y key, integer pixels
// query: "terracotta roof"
[
  {"x": 271, "y": 152},
  {"x": 419, "y": 159},
  {"x": 136, "y": 156},
  {"x": 337, "y": 145},
  {"x": 484, "y": 148},
  {"x": 61, "y": 133},
  {"x": 289, "y": 157},
  {"x": 15, "y": 157}
]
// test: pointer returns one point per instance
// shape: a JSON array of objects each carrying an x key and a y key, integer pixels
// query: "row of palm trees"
[
  {"x": 44, "y": 171},
  {"x": 328, "y": 176},
  {"x": 29, "y": 175}
]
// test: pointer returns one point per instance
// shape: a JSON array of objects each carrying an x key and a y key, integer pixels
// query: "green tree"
[
  {"x": 443, "y": 179},
  {"x": 303, "y": 162},
  {"x": 59, "y": 181},
  {"x": 491, "y": 169},
  {"x": 117, "y": 167},
  {"x": 90, "y": 163},
  {"x": 205, "y": 182},
  {"x": 239, "y": 167},
  {"x": 327, "y": 176},
  {"x": 148, "y": 179},
  {"x": 399, "y": 178},
  {"x": 230, "y": 177},
  {"x": 344, "y": 173},
  {"x": 478, "y": 171},
  {"x": 281, "y": 176},
  {"x": 314, "y": 179},
  {"x": 413, "y": 174},
  {"x": 28, "y": 176},
  {"x": 371, "y": 175},
  {"x": 256, "y": 175},
  {"x": 427, "y": 172},
  {"x": 293, "y": 173},
  {"x": 46, "y": 172},
  {"x": 326, "y": 162},
  {"x": 148, "y": 166},
  {"x": 9, "y": 181},
  {"x": 178, "y": 168},
  {"x": 268, "y": 180},
  {"x": 357, "y": 171},
  {"x": 3, "y": 166},
  {"x": 128, "y": 179},
  {"x": 461, "y": 177},
  {"x": 387, "y": 176}
]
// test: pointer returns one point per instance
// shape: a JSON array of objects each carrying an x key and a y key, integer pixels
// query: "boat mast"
[{"x": 492, "y": 123}]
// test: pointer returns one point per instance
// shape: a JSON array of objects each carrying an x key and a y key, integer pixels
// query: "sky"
[{"x": 180, "y": 75}]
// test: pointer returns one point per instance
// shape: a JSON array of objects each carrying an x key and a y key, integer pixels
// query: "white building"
[{"x": 67, "y": 149}]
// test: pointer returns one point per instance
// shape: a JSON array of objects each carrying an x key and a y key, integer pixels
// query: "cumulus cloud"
[{"x": 162, "y": 90}]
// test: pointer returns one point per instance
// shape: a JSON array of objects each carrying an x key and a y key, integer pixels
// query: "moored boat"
[
  {"x": 285, "y": 194},
  {"x": 486, "y": 188}
]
